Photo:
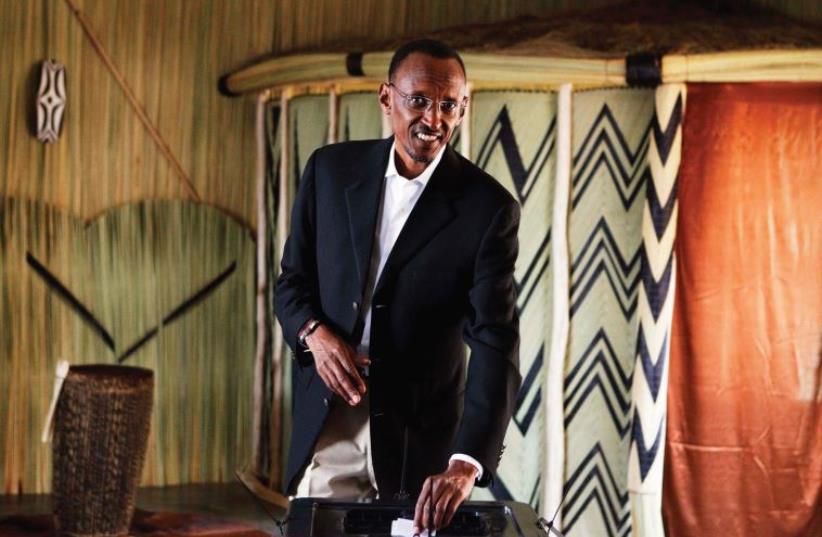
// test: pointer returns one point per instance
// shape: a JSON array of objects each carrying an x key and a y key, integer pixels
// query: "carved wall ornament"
[{"x": 51, "y": 101}]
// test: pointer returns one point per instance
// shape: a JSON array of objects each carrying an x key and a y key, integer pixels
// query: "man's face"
[{"x": 420, "y": 134}]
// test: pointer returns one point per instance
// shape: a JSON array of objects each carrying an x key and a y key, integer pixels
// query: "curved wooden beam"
[{"x": 501, "y": 70}]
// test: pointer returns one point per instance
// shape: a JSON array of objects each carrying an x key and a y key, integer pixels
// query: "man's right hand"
[{"x": 336, "y": 362}]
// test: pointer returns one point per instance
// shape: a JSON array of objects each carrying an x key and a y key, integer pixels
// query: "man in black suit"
[{"x": 401, "y": 252}]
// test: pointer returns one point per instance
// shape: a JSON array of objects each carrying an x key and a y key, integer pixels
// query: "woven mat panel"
[
  {"x": 609, "y": 174},
  {"x": 307, "y": 130},
  {"x": 513, "y": 139},
  {"x": 360, "y": 117}
]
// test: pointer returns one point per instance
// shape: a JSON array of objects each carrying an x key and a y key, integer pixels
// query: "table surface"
[{"x": 228, "y": 501}]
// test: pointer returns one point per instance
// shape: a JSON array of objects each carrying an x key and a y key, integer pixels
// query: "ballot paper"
[{"x": 404, "y": 527}]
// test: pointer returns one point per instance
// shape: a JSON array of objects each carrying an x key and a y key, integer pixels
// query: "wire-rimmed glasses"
[{"x": 422, "y": 104}]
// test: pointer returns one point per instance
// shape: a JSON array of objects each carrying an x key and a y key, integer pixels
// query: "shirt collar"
[{"x": 423, "y": 178}]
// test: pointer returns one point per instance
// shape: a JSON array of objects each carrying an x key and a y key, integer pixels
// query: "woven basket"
[{"x": 101, "y": 428}]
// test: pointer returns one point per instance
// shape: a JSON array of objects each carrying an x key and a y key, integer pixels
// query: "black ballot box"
[{"x": 315, "y": 517}]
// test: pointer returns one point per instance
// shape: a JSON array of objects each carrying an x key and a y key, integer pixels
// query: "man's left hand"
[{"x": 442, "y": 494}]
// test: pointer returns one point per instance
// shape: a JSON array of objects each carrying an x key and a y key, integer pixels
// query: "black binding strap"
[
  {"x": 643, "y": 69},
  {"x": 353, "y": 64},
  {"x": 222, "y": 87}
]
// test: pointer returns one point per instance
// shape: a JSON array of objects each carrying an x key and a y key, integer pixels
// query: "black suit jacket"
[{"x": 448, "y": 282}]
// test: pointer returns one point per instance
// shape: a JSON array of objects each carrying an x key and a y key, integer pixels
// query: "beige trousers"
[{"x": 341, "y": 465}]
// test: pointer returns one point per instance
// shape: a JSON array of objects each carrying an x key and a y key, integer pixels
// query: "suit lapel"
[
  {"x": 432, "y": 212},
  {"x": 363, "y": 204}
]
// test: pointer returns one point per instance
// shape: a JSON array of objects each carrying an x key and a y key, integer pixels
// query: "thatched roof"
[
  {"x": 621, "y": 30},
  {"x": 685, "y": 42}
]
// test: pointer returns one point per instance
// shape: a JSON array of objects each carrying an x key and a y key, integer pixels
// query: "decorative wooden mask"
[{"x": 51, "y": 101}]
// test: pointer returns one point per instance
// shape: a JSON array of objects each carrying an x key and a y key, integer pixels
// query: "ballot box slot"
[
  {"x": 372, "y": 521},
  {"x": 315, "y": 517},
  {"x": 378, "y": 522}
]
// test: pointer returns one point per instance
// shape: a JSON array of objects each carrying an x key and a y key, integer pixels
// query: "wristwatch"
[{"x": 309, "y": 329}]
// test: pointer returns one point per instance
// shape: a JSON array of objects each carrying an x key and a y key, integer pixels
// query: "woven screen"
[
  {"x": 514, "y": 140},
  {"x": 513, "y": 137},
  {"x": 360, "y": 117},
  {"x": 609, "y": 174}
]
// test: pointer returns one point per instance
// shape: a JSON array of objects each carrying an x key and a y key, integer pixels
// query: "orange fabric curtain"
[{"x": 744, "y": 447}]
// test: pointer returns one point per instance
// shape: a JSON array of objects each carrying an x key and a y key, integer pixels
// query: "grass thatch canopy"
[{"x": 584, "y": 47}]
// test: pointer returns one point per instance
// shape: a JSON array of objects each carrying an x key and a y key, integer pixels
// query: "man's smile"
[{"x": 427, "y": 135}]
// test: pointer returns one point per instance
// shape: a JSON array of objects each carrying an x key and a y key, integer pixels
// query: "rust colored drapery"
[{"x": 744, "y": 447}]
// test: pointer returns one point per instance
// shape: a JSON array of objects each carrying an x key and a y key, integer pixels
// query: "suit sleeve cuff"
[{"x": 470, "y": 460}]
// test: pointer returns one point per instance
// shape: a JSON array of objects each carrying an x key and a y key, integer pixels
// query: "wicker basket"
[{"x": 101, "y": 428}]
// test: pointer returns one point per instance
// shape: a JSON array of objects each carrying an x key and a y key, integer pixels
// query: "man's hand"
[
  {"x": 442, "y": 494},
  {"x": 336, "y": 363}
]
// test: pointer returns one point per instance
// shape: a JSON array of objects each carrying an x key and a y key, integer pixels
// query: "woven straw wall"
[
  {"x": 131, "y": 269},
  {"x": 107, "y": 211},
  {"x": 171, "y": 55}
]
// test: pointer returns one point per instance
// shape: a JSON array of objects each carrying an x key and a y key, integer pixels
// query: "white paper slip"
[
  {"x": 403, "y": 527},
  {"x": 60, "y": 374}
]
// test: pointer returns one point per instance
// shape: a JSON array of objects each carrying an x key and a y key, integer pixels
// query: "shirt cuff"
[{"x": 470, "y": 460}]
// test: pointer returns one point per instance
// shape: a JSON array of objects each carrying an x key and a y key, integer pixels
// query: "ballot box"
[{"x": 314, "y": 517}]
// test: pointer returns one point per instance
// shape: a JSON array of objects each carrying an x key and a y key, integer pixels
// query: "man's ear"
[
  {"x": 463, "y": 106},
  {"x": 461, "y": 117},
  {"x": 385, "y": 98}
]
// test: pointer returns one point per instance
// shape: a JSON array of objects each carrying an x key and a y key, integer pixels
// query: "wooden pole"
[{"x": 133, "y": 101}]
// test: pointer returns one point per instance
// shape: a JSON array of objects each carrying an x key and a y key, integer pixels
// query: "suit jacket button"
[
  {"x": 355, "y": 306},
  {"x": 327, "y": 401}
]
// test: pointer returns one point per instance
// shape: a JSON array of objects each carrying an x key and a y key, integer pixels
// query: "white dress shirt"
[{"x": 400, "y": 195}]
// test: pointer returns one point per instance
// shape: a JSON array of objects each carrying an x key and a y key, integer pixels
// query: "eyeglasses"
[{"x": 421, "y": 103}]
